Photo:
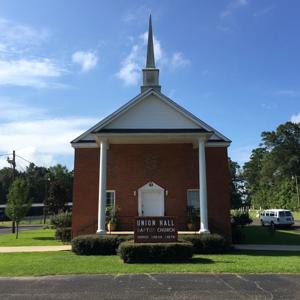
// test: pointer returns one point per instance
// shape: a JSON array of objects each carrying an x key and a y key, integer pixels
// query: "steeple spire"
[
  {"x": 150, "y": 50},
  {"x": 150, "y": 73}
]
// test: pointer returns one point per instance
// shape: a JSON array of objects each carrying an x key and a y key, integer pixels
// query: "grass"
[
  {"x": 38, "y": 237},
  {"x": 264, "y": 235},
  {"x": 54, "y": 263}
]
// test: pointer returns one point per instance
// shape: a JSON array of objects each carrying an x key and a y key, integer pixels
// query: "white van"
[{"x": 276, "y": 217}]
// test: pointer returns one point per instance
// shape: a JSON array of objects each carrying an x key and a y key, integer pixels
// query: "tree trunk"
[
  {"x": 13, "y": 227},
  {"x": 17, "y": 233}
]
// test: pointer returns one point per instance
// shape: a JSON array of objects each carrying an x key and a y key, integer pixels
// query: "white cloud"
[
  {"x": 24, "y": 72},
  {"x": 131, "y": 67},
  {"x": 19, "y": 65},
  {"x": 295, "y": 118},
  {"x": 37, "y": 136},
  {"x": 232, "y": 7},
  {"x": 18, "y": 38},
  {"x": 85, "y": 59},
  {"x": 178, "y": 60}
]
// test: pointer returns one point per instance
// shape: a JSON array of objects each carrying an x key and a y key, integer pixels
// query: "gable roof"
[{"x": 199, "y": 125}]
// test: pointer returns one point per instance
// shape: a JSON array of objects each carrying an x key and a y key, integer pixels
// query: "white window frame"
[
  {"x": 114, "y": 193},
  {"x": 187, "y": 194}
]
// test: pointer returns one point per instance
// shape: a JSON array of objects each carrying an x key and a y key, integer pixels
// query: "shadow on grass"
[
  {"x": 265, "y": 253},
  {"x": 265, "y": 235},
  {"x": 44, "y": 238},
  {"x": 194, "y": 260}
]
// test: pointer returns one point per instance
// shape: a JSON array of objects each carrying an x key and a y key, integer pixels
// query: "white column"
[
  {"x": 102, "y": 187},
  {"x": 202, "y": 188}
]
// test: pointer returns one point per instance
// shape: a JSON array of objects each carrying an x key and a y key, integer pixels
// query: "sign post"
[{"x": 155, "y": 230}]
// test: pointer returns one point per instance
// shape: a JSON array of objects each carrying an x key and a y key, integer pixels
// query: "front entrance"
[{"x": 151, "y": 200}]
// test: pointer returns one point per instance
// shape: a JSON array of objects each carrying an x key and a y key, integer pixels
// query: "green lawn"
[
  {"x": 36, "y": 237},
  {"x": 54, "y": 263},
  {"x": 264, "y": 235}
]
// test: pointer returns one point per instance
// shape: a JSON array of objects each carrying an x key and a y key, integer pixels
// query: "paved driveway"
[{"x": 163, "y": 286}]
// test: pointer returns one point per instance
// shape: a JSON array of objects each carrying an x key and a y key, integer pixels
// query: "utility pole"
[{"x": 13, "y": 164}]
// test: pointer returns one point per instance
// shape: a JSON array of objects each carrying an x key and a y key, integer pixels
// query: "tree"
[
  {"x": 236, "y": 185},
  {"x": 58, "y": 195},
  {"x": 269, "y": 173},
  {"x": 6, "y": 178},
  {"x": 60, "y": 189},
  {"x": 18, "y": 203},
  {"x": 36, "y": 180}
]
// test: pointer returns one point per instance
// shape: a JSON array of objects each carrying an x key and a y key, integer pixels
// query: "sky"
[{"x": 65, "y": 65}]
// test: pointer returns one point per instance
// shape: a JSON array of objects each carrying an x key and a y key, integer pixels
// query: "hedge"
[
  {"x": 64, "y": 234},
  {"x": 97, "y": 245},
  {"x": 132, "y": 252},
  {"x": 207, "y": 243}
]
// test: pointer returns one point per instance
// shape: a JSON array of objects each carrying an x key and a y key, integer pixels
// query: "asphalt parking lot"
[
  {"x": 6, "y": 229},
  {"x": 153, "y": 286}
]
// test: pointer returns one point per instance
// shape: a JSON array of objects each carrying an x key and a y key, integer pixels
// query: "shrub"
[
  {"x": 241, "y": 219},
  {"x": 237, "y": 235},
  {"x": 64, "y": 234},
  {"x": 207, "y": 243},
  {"x": 155, "y": 252},
  {"x": 61, "y": 220},
  {"x": 97, "y": 245}
]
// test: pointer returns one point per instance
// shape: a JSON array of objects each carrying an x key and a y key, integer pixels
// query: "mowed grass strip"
[
  {"x": 36, "y": 237},
  {"x": 66, "y": 262},
  {"x": 265, "y": 235}
]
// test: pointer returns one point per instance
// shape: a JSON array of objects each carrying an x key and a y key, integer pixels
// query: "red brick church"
[{"x": 151, "y": 157}]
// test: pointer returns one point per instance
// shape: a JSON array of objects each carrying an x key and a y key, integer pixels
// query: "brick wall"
[{"x": 172, "y": 166}]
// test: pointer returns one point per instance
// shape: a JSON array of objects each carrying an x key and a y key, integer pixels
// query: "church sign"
[{"x": 155, "y": 230}]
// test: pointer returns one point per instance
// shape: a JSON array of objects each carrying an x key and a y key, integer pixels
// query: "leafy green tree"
[
  {"x": 236, "y": 185},
  {"x": 18, "y": 203},
  {"x": 58, "y": 195},
  {"x": 272, "y": 166},
  {"x": 36, "y": 178},
  {"x": 6, "y": 178}
]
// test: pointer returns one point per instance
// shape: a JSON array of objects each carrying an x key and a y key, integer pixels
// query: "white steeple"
[{"x": 150, "y": 73}]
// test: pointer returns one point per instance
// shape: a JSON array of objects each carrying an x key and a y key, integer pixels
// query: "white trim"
[
  {"x": 85, "y": 145},
  {"x": 216, "y": 144},
  {"x": 114, "y": 192}
]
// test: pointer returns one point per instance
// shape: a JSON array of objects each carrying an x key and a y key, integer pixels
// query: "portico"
[{"x": 176, "y": 138}]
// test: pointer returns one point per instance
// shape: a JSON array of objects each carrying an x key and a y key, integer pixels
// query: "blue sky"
[{"x": 64, "y": 65}]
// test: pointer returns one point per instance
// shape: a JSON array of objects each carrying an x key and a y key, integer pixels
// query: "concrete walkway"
[
  {"x": 34, "y": 249},
  {"x": 267, "y": 247},
  {"x": 68, "y": 248}
]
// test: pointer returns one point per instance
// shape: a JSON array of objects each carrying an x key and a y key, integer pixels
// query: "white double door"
[{"x": 151, "y": 200}]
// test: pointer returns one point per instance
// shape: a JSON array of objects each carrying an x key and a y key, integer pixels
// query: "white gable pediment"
[
  {"x": 152, "y": 113},
  {"x": 150, "y": 110}
]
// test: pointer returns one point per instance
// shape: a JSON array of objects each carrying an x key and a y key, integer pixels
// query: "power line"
[{"x": 30, "y": 162}]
